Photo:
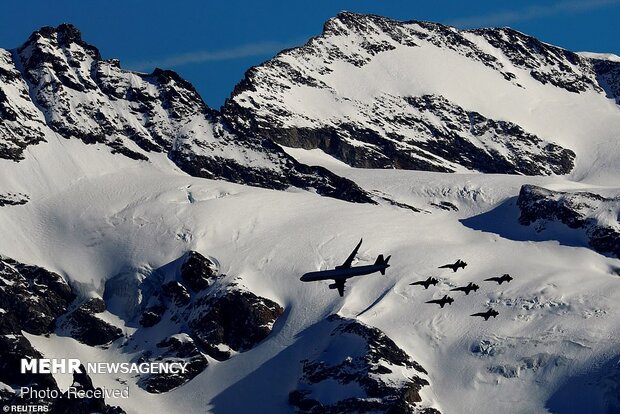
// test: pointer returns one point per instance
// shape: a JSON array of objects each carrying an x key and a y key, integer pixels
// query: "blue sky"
[{"x": 212, "y": 43}]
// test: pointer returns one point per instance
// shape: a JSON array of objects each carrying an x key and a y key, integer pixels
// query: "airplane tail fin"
[{"x": 382, "y": 262}]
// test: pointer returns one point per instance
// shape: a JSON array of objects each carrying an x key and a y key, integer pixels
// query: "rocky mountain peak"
[
  {"x": 65, "y": 36},
  {"x": 56, "y": 81},
  {"x": 356, "y": 23},
  {"x": 359, "y": 92}
]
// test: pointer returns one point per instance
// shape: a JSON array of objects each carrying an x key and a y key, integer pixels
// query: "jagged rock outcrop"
[
  {"x": 201, "y": 314},
  {"x": 31, "y": 300},
  {"x": 178, "y": 348},
  {"x": 545, "y": 63},
  {"x": 608, "y": 75},
  {"x": 367, "y": 365},
  {"x": 596, "y": 216},
  {"x": 13, "y": 347},
  {"x": 84, "y": 325},
  {"x": 204, "y": 315},
  {"x": 234, "y": 320},
  {"x": 21, "y": 124},
  {"x": 198, "y": 272}
]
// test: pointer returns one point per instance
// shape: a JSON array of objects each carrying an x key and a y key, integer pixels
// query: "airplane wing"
[
  {"x": 349, "y": 261},
  {"x": 340, "y": 286}
]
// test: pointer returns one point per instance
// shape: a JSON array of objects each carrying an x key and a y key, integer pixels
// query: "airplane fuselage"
[{"x": 336, "y": 274}]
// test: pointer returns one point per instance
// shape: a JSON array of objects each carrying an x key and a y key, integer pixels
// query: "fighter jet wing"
[{"x": 349, "y": 261}]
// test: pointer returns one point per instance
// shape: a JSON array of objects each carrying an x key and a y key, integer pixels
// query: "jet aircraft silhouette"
[
  {"x": 471, "y": 286},
  {"x": 341, "y": 273},
  {"x": 504, "y": 278},
  {"x": 443, "y": 301},
  {"x": 454, "y": 266},
  {"x": 486, "y": 315},
  {"x": 426, "y": 283}
]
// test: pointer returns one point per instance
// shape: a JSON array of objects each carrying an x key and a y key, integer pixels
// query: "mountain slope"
[
  {"x": 119, "y": 255},
  {"x": 379, "y": 93},
  {"x": 55, "y": 79}
]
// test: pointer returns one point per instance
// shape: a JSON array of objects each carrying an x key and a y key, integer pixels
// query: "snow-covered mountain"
[
  {"x": 140, "y": 225},
  {"x": 57, "y": 80},
  {"x": 375, "y": 92}
]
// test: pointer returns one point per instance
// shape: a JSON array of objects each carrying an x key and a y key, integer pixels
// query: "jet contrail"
[
  {"x": 238, "y": 52},
  {"x": 531, "y": 13}
]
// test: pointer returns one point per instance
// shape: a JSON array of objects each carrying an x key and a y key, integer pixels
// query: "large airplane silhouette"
[{"x": 341, "y": 273}]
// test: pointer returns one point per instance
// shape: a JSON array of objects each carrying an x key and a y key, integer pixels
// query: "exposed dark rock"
[
  {"x": 198, "y": 272},
  {"x": 84, "y": 326},
  {"x": 64, "y": 84},
  {"x": 425, "y": 132},
  {"x": 12, "y": 199},
  {"x": 216, "y": 319},
  {"x": 21, "y": 124},
  {"x": 179, "y": 348},
  {"x": 32, "y": 298},
  {"x": 546, "y": 63},
  {"x": 176, "y": 292},
  {"x": 288, "y": 171},
  {"x": 445, "y": 205},
  {"x": 152, "y": 315},
  {"x": 370, "y": 355},
  {"x": 238, "y": 319},
  {"x": 608, "y": 76},
  {"x": 13, "y": 347},
  {"x": 67, "y": 404},
  {"x": 577, "y": 210}
]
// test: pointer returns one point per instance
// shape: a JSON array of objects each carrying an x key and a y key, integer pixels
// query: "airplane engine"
[{"x": 333, "y": 286}]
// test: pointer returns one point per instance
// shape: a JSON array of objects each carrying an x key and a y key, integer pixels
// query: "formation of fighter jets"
[
  {"x": 470, "y": 287},
  {"x": 341, "y": 273}
]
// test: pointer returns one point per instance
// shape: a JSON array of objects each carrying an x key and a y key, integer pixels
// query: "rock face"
[
  {"x": 204, "y": 316},
  {"x": 31, "y": 297},
  {"x": 31, "y": 300},
  {"x": 21, "y": 124},
  {"x": 174, "y": 349},
  {"x": 84, "y": 325},
  {"x": 57, "y": 81},
  {"x": 353, "y": 92},
  {"x": 608, "y": 74},
  {"x": 67, "y": 404},
  {"x": 364, "y": 368},
  {"x": 197, "y": 313},
  {"x": 235, "y": 320},
  {"x": 596, "y": 216}
]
